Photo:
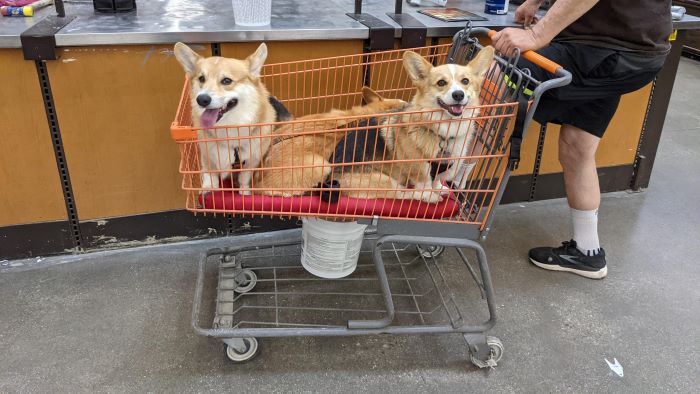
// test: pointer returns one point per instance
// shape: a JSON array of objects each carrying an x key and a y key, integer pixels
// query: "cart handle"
[{"x": 548, "y": 65}]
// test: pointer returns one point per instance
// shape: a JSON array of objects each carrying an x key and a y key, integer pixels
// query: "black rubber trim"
[
  {"x": 381, "y": 34},
  {"x": 612, "y": 179},
  {"x": 413, "y": 32},
  {"x": 156, "y": 227},
  {"x": 39, "y": 41},
  {"x": 60, "y": 9},
  {"x": 171, "y": 226},
  {"x": 34, "y": 239}
]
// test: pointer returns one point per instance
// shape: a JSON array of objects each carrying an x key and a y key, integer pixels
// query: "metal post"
[
  {"x": 358, "y": 7},
  {"x": 397, "y": 6}
]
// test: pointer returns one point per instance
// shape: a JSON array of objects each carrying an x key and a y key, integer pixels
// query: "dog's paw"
[
  {"x": 245, "y": 192},
  {"x": 444, "y": 189},
  {"x": 207, "y": 184}
]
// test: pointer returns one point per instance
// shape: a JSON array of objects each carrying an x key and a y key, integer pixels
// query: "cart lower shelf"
[{"x": 397, "y": 288}]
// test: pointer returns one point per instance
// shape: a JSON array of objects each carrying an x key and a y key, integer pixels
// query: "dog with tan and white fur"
[
  {"x": 300, "y": 162},
  {"x": 425, "y": 137},
  {"x": 229, "y": 92}
]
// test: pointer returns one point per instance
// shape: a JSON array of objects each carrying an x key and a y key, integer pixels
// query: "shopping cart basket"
[{"x": 262, "y": 291}]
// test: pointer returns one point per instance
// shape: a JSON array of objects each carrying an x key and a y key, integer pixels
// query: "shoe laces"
[{"x": 567, "y": 245}]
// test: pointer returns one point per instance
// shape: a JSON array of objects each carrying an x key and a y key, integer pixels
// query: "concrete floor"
[{"x": 119, "y": 321}]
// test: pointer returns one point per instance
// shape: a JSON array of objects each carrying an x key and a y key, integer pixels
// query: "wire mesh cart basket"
[{"x": 401, "y": 285}]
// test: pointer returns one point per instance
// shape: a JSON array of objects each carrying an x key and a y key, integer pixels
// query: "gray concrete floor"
[{"x": 119, "y": 321}]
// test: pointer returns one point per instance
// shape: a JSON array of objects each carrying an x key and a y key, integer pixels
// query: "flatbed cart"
[{"x": 400, "y": 286}]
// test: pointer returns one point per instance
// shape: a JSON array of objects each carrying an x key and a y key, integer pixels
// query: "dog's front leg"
[
  {"x": 461, "y": 167},
  {"x": 209, "y": 179},
  {"x": 438, "y": 185},
  {"x": 423, "y": 184},
  {"x": 458, "y": 148},
  {"x": 465, "y": 168},
  {"x": 452, "y": 170},
  {"x": 245, "y": 177},
  {"x": 251, "y": 159}
]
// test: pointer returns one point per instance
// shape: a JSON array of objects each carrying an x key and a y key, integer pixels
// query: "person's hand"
[
  {"x": 525, "y": 13},
  {"x": 526, "y": 39}
]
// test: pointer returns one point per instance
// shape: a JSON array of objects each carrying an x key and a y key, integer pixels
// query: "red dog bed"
[{"x": 233, "y": 201}]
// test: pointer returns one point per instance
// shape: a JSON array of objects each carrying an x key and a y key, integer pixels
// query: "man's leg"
[
  {"x": 577, "y": 150},
  {"x": 583, "y": 255}
]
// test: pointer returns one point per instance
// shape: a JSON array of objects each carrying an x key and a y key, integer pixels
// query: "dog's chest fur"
[{"x": 424, "y": 140}]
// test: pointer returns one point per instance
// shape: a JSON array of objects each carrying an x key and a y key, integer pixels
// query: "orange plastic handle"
[
  {"x": 536, "y": 58},
  {"x": 181, "y": 133}
]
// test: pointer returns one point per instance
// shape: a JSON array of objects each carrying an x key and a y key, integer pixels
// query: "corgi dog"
[
  {"x": 449, "y": 89},
  {"x": 313, "y": 151},
  {"x": 229, "y": 92}
]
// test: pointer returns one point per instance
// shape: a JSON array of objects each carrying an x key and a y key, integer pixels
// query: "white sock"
[{"x": 586, "y": 231}]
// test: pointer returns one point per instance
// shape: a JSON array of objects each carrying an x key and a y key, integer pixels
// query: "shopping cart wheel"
[
  {"x": 496, "y": 352},
  {"x": 430, "y": 251},
  {"x": 242, "y": 350},
  {"x": 245, "y": 281}
]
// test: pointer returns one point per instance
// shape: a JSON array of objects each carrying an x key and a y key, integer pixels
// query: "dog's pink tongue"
[
  {"x": 456, "y": 109},
  {"x": 209, "y": 117}
]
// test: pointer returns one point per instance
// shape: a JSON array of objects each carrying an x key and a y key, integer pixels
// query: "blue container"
[{"x": 496, "y": 7}]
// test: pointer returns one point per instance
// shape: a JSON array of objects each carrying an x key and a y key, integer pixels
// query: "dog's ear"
[
  {"x": 257, "y": 59},
  {"x": 482, "y": 61},
  {"x": 187, "y": 57},
  {"x": 370, "y": 96},
  {"x": 416, "y": 66}
]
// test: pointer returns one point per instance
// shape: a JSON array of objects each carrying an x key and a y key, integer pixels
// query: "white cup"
[{"x": 252, "y": 12}]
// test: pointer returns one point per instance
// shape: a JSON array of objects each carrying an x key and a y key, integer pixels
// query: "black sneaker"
[{"x": 568, "y": 258}]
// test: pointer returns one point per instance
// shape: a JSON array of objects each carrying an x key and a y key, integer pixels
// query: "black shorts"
[{"x": 599, "y": 77}]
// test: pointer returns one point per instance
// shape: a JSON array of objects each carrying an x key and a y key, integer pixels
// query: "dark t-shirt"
[{"x": 641, "y": 26}]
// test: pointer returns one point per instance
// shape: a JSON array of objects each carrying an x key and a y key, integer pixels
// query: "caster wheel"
[
  {"x": 245, "y": 281},
  {"x": 432, "y": 251},
  {"x": 496, "y": 353},
  {"x": 250, "y": 350}
]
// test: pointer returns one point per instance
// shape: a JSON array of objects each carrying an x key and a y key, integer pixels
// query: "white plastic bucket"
[
  {"x": 252, "y": 12},
  {"x": 331, "y": 249}
]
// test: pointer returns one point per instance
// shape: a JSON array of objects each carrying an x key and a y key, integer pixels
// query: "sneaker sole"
[{"x": 600, "y": 274}]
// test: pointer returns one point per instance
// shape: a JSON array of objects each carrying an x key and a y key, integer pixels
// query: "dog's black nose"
[
  {"x": 458, "y": 95},
  {"x": 203, "y": 100}
]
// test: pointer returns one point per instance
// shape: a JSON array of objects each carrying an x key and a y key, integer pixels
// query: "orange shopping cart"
[{"x": 400, "y": 287}]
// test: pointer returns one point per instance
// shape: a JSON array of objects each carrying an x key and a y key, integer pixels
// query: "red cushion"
[{"x": 233, "y": 201}]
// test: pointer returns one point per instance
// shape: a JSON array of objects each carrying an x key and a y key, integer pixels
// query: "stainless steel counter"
[
  {"x": 168, "y": 21},
  {"x": 438, "y": 28}
]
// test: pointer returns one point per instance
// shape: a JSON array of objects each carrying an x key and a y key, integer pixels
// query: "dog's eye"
[
  {"x": 442, "y": 82},
  {"x": 465, "y": 81},
  {"x": 202, "y": 79},
  {"x": 226, "y": 81}
]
